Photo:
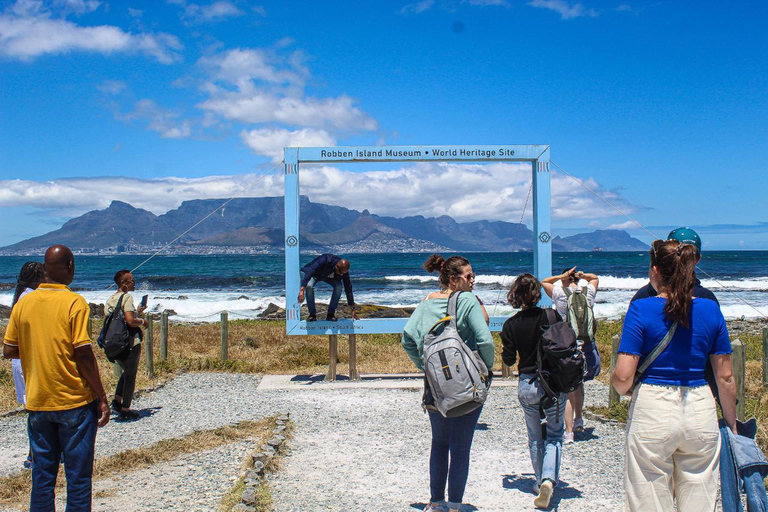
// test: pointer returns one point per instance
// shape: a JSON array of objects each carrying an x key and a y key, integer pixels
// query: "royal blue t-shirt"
[{"x": 682, "y": 362}]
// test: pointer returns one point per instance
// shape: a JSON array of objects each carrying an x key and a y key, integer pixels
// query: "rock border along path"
[{"x": 355, "y": 447}]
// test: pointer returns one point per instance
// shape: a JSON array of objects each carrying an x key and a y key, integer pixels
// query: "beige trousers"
[{"x": 673, "y": 449}]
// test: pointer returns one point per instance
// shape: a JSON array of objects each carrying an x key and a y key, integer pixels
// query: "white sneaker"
[
  {"x": 578, "y": 425},
  {"x": 545, "y": 493},
  {"x": 568, "y": 438}
]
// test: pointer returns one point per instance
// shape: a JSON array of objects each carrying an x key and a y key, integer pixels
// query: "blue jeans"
[
  {"x": 454, "y": 436},
  {"x": 73, "y": 433},
  {"x": 310, "y": 294},
  {"x": 545, "y": 453}
]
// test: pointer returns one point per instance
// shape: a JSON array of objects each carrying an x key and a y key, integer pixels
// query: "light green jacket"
[{"x": 471, "y": 323}]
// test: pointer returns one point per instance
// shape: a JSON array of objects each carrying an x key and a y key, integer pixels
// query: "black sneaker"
[
  {"x": 312, "y": 318},
  {"x": 331, "y": 318},
  {"x": 116, "y": 406}
]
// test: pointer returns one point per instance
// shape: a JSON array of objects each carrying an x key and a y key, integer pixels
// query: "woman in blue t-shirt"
[{"x": 673, "y": 442}]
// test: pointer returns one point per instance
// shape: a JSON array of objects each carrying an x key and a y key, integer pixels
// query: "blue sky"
[{"x": 659, "y": 107}]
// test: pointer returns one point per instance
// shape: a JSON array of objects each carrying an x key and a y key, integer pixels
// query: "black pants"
[{"x": 127, "y": 382}]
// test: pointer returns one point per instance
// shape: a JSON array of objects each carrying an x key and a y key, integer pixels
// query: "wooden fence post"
[
  {"x": 353, "y": 374},
  {"x": 333, "y": 342},
  {"x": 506, "y": 371},
  {"x": 149, "y": 334},
  {"x": 739, "y": 372},
  {"x": 224, "y": 335},
  {"x": 765, "y": 357},
  {"x": 164, "y": 335},
  {"x": 613, "y": 395}
]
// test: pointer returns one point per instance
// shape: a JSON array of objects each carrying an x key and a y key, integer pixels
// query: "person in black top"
[
  {"x": 330, "y": 269},
  {"x": 687, "y": 236},
  {"x": 520, "y": 338}
]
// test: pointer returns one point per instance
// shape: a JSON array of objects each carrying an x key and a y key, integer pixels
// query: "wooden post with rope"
[
  {"x": 765, "y": 357},
  {"x": 224, "y": 335},
  {"x": 149, "y": 334},
  {"x": 613, "y": 395},
  {"x": 333, "y": 345},
  {"x": 164, "y": 335},
  {"x": 739, "y": 373}
]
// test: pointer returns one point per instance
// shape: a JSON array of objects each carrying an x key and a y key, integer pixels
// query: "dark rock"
[
  {"x": 97, "y": 310},
  {"x": 249, "y": 496},
  {"x": 273, "y": 312},
  {"x": 5, "y": 311}
]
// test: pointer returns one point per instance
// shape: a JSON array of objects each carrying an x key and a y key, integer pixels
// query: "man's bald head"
[
  {"x": 342, "y": 267},
  {"x": 60, "y": 264}
]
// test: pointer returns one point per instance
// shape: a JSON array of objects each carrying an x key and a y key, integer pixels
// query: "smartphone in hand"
[{"x": 144, "y": 301}]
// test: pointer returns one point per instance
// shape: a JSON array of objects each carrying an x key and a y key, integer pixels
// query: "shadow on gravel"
[
  {"x": 143, "y": 413},
  {"x": 465, "y": 507},
  {"x": 481, "y": 426},
  {"x": 587, "y": 435},
  {"x": 524, "y": 483}
]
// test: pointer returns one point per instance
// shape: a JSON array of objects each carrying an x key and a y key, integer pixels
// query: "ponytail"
[{"x": 677, "y": 264}]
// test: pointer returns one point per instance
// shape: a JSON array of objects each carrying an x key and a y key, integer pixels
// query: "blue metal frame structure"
[{"x": 537, "y": 155}]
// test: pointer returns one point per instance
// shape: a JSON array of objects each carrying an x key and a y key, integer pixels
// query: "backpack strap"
[
  {"x": 656, "y": 352},
  {"x": 567, "y": 291},
  {"x": 453, "y": 301}
]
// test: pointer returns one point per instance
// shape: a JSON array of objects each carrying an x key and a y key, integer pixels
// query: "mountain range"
[{"x": 257, "y": 225}]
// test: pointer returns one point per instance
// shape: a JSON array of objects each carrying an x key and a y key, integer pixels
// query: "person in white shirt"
[{"x": 554, "y": 287}]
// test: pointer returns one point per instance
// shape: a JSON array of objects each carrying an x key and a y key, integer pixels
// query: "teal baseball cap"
[{"x": 687, "y": 236}]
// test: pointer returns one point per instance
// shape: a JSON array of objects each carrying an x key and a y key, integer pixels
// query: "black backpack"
[
  {"x": 114, "y": 337},
  {"x": 560, "y": 365}
]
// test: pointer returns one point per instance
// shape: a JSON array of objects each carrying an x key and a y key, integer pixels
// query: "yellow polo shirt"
[{"x": 48, "y": 325}]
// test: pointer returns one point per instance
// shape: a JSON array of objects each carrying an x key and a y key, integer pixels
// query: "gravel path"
[{"x": 353, "y": 449}]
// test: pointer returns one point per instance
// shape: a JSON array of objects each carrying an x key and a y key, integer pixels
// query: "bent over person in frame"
[{"x": 330, "y": 269}]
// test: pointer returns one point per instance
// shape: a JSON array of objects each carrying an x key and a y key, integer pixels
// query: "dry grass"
[{"x": 15, "y": 490}]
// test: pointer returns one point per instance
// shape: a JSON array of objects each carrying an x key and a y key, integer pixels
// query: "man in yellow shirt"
[{"x": 48, "y": 331}]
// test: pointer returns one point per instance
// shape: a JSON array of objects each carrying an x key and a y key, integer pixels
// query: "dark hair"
[
  {"x": 119, "y": 276},
  {"x": 524, "y": 292},
  {"x": 571, "y": 275},
  {"x": 31, "y": 275},
  {"x": 676, "y": 263},
  {"x": 451, "y": 267}
]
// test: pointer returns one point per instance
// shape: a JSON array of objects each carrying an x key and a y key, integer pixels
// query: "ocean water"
[{"x": 198, "y": 288}]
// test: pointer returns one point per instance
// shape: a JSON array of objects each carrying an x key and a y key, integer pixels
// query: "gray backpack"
[{"x": 456, "y": 376}]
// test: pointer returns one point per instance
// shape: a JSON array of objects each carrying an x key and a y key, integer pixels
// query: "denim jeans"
[
  {"x": 73, "y": 433},
  {"x": 127, "y": 383},
  {"x": 545, "y": 453},
  {"x": 450, "y": 436},
  {"x": 310, "y": 294}
]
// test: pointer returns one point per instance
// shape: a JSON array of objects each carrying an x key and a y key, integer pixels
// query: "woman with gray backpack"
[{"x": 452, "y": 419}]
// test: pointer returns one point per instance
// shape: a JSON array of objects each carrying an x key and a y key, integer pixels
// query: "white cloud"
[
  {"x": 243, "y": 65},
  {"x": 28, "y": 31},
  {"x": 167, "y": 123},
  {"x": 215, "y": 12},
  {"x": 271, "y": 141},
  {"x": 111, "y": 87},
  {"x": 564, "y": 8},
  {"x": 253, "y": 86},
  {"x": 467, "y": 192},
  {"x": 417, "y": 7},
  {"x": 77, "y": 6},
  {"x": 623, "y": 225}
]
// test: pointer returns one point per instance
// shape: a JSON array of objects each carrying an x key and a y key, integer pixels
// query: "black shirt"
[
  {"x": 521, "y": 335},
  {"x": 698, "y": 291}
]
